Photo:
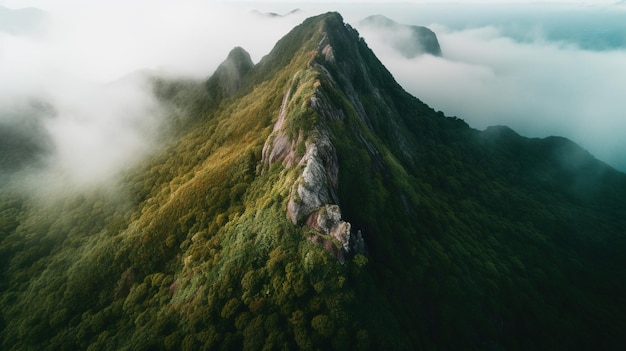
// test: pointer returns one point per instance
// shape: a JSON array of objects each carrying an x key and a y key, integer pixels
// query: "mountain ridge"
[
  {"x": 315, "y": 204},
  {"x": 229, "y": 75}
]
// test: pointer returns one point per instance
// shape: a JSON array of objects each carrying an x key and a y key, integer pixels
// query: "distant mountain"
[
  {"x": 273, "y": 14},
  {"x": 409, "y": 40},
  {"x": 27, "y": 21},
  {"x": 309, "y": 202},
  {"x": 229, "y": 76}
]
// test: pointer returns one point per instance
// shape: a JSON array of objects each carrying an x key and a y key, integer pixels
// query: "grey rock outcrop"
[
  {"x": 328, "y": 220},
  {"x": 279, "y": 147},
  {"x": 317, "y": 185},
  {"x": 313, "y": 199}
]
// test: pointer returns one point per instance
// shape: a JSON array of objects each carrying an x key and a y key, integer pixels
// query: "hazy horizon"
[{"x": 541, "y": 69}]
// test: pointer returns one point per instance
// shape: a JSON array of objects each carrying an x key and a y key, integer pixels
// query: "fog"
[
  {"x": 88, "y": 59},
  {"x": 535, "y": 76},
  {"x": 89, "y": 63}
]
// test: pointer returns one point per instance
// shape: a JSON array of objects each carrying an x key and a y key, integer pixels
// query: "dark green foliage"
[
  {"x": 475, "y": 240},
  {"x": 482, "y": 226},
  {"x": 24, "y": 141}
]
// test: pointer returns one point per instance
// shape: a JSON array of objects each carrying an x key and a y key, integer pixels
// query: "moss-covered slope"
[{"x": 309, "y": 202}]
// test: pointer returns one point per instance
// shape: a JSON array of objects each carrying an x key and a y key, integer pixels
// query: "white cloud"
[
  {"x": 105, "y": 119},
  {"x": 539, "y": 88}
]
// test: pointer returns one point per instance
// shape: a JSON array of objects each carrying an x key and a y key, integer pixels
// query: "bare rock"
[
  {"x": 317, "y": 185},
  {"x": 327, "y": 220}
]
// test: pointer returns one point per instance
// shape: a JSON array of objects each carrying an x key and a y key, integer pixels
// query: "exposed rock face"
[
  {"x": 326, "y": 49},
  {"x": 320, "y": 103},
  {"x": 278, "y": 147},
  {"x": 313, "y": 200},
  {"x": 328, "y": 221},
  {"x": 317, "y": 186},
  {"x": 410, "y": 41}
]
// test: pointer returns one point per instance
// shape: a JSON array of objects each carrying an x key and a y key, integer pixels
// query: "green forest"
[{"x": 474, "y": 240}]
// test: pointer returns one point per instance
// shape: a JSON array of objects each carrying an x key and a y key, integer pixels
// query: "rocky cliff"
[
  {"x": 246, "y": 230},
  {"x": 313, "y": 200}
]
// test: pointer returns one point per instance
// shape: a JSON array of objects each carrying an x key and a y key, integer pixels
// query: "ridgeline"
[{"x": 309, "y": 202}]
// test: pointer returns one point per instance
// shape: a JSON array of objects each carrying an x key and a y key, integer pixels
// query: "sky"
[
  {"x": 557, "y": 71},
  {"x": 543, "y": 69}
]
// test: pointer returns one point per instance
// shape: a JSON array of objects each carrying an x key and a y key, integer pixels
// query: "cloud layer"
[
  {"x": 537, "y": 87},
  {"x": 105, "y": 116},
  {"x": 87, "y": 65}
]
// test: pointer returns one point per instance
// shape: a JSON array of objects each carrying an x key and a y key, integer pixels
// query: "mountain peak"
[
  {"x": 302, "y": 40},
  {"x": 240, "y": 57},
  {"x": 331, "y": 18},
  {"x": 225, "y": 238},
  {"x": 229, "y": 75},
  {"x": 411, "y": 41}
]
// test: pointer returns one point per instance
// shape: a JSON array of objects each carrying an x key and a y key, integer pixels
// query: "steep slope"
[
  {"x": 229, "y": 76},
  {"x": 309, "y": 202}
]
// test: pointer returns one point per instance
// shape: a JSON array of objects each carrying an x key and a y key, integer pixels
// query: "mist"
[
  {"x": 89, "y": 65},
  {"x": 537, "y": 77},
  {"x": 88, "y": 62}
]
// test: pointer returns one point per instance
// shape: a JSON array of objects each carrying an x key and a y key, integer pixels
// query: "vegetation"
[{"x": 475, "y": 240}]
